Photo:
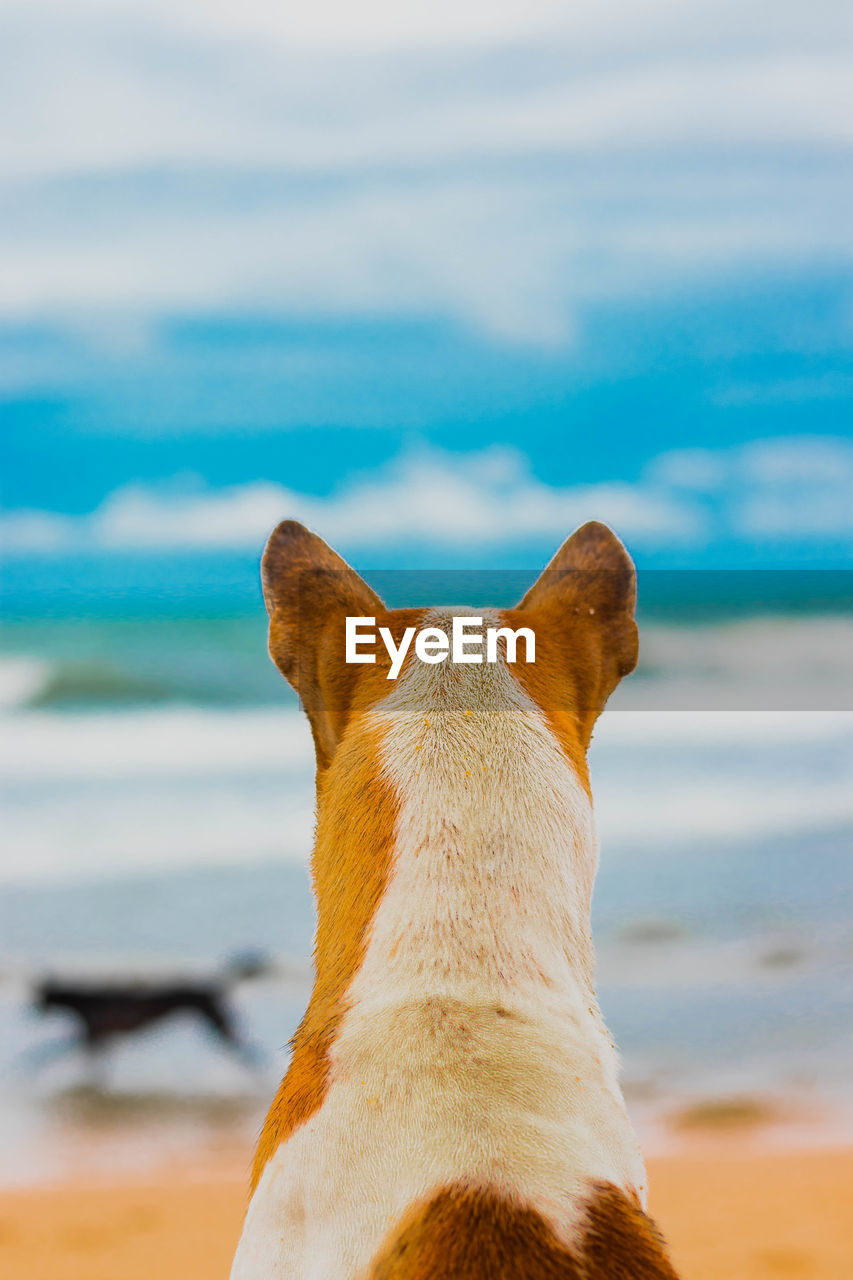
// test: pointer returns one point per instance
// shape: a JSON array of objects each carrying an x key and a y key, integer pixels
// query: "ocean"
[{"x": 156, "y": 783}]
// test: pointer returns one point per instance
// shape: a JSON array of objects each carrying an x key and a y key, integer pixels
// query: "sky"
[{"x": 440, "y": 280}]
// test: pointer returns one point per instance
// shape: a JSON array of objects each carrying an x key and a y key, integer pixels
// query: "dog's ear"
[
  {"x": 583, "y": 605},
  {"x": 309, "y": 591}
]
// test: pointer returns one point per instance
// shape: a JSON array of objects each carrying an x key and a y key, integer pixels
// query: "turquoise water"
[{"x": 706, "y": 642}]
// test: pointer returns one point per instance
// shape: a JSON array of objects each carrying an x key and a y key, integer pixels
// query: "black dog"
[{"x": 107, "y": 1010}]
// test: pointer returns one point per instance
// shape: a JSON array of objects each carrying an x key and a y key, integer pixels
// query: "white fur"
[{"x": 473, "y": 1050}]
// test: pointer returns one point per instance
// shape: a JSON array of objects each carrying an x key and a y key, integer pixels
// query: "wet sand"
[{"x": 729, "y": 1214}]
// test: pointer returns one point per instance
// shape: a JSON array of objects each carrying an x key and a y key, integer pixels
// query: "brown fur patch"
[
  {"x": 475, "y": 1234},
  {"x": 621, "y": 1242},
  {"x": 355, "y": 832},
  {"x": 553, "y": 682},
  {"x": 309, "y": 592},
  {"x": 582, "y": 611}
]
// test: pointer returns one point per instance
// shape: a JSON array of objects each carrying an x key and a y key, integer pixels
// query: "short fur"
[{"x": 452, "y": 1107}]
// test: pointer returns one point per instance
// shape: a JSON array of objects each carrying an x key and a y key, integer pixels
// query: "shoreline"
[
  {"x": 727, "y": 1209},
  {"x": 97, "y": 1138}
]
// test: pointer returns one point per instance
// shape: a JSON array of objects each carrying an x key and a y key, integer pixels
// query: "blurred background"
[{"x": 442, "y": 281}]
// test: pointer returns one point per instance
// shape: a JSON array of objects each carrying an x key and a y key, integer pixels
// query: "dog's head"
[{"x": 580, "y": 610}]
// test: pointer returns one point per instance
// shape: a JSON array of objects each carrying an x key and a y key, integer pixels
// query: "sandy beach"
[{"x": 729, "y": 1214}]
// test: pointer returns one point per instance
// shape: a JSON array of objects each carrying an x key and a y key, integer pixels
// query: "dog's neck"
[{"x": 487, "y": 880}]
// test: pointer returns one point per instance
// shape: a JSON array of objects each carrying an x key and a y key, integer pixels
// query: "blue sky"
[{"x": 440, "y": 280}]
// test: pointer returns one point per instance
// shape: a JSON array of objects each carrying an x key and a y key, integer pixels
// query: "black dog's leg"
[
  {"x": 219, "y": 1018},
  {"x": 95, "y": 1044}
]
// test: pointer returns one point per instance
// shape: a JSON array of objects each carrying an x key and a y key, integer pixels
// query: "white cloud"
[
  {"x": 777, "y": 490},
  {"x": 26, "y": 530},
  {"x": 769, "y": 490},
  {"x": 429, "y": 498},
  {"x": 669, "y": 138},
  {"x": 387, "y": 249},
  {"x": 800, "y": 489},
  {"x": 337, "y": 24}
]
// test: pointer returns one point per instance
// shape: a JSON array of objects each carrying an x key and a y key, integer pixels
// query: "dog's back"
[{"x": 452, "y": 1108}]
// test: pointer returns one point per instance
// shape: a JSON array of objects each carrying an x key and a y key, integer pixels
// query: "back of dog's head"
[{"x": 580, "y": 609}]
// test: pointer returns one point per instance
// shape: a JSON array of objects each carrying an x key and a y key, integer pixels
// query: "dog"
[
  {"x": 452, "y": 1109},
  {"x": 108, "y": 1010}
]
